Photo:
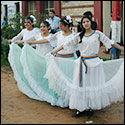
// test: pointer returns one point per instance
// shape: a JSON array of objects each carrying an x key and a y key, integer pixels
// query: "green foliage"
[
  {"x": 13, "y": 27},
  {"x": 16, "y": 24},
  {"x": 4, "y": 53},
  {"x": 39, "y": 18},
  {"x": 105, "y": 59}
]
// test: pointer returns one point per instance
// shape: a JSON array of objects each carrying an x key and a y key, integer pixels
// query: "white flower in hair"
[
  {"x": 34, "y": 19},
  {"x": 69, "y": 19},
  {"x": 47, "y": 20}
]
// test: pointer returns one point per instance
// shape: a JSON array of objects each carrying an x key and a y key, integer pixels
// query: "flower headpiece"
[
  {"x": 69, "y": 19},
  {"x": 47, "y": 20},
  {"x": 34, "y": 19}
]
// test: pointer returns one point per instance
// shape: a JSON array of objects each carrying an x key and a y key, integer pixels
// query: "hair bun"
[{"x": 88, "y": 13}]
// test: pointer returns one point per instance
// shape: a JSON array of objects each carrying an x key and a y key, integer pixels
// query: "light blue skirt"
[{"x": 29, "y": 68}]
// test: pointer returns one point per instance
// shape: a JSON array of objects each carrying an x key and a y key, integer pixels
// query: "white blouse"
[
  {"x": 90, "y": 44},
  {"x": 61, "y": 39},
  {"x": 26, "y": 35},
  {"x": 43, "y": 48}
]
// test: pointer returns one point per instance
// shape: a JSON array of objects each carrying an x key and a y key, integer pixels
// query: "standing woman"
[
  {"x": 35, "y": 63},
  {"x": 14, "y": 56},
  {"x": 96, "y": 84},
  {"x": 28, "y": 33},
  {"x": 34, "y": 67},
  {"x": 47, "y": 47}
]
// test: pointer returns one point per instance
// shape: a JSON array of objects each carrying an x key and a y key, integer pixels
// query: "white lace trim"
[
  {"x": 89, "y": 97},
  {"x": 40, "y": 92},
  {"x": 21, "y": 85}
]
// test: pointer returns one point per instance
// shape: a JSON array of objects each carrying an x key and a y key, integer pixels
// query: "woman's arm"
[
  {"x": 69, "y": 43},
  {"x": 118, "y": 47},
  {"x": 57, "y": 50},
  {"x": 38, "y": 42},
  {"x": 17, "y": 42},
  {"x": 109, "y": 43},
  {"x": 50, "y": 39},
  {"x": 18, "y": 37}
]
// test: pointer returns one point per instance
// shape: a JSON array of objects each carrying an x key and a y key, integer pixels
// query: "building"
[
  {"x": 9, "y": 8},
  {"x": 102, "y": 11}
]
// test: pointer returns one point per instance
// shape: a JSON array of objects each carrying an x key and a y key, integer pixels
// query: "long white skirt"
[
  {"x": 102, "y": 85},
  {"x": 29, "y": 68}
]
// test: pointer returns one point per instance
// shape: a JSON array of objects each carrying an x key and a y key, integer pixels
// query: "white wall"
[
  {"x": 123, "y": 24},
  {"x": 11, "y": 8},
  {"x": 106, "y": 17}
]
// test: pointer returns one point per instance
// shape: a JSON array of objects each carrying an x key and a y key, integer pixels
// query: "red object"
[
  {"x": 24, "y": 8},
  {"x": 98, "y": 17},
  {"x": 58, "y": 8},
  {"x": 117, "y": 8},
  {"x": 40, "y": 7}
]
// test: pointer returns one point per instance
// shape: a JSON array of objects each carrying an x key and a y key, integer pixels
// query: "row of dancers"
[{"x": 47, "y": 68}]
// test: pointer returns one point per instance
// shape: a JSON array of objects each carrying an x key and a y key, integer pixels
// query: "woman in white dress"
[
  {"x": 47, "y": 47},
  {"x": 15, "y": 52},
  {"x": 61, "y": 37},
  {"x": 28, "y": 33},
  {"x": 96, "y": 84},
  {"x": 34, "y": 67},
  {"x": 34, "y": 62}
]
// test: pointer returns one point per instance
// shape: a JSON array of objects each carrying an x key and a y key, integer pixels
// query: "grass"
[{"x": 105, "y": 59}]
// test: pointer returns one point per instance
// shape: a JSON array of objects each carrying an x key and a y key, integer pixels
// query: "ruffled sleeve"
[
  {"x": 53, "y": 39},
  {"x": 71, "y": 42},
  {"x": 105, "y": 40},
  {"x": 18, "y": 37}
]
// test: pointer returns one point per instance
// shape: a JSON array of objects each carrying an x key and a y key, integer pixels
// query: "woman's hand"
[
  {"x": 57, "y": 50},
  {"x": 18, "y": 42},
  {"x": 53, "y": 53},
  {"x": 29, "y": 42},
  {"x": 10, "y": 41}
]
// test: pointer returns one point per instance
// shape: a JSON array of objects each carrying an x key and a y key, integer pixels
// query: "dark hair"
[
  {"x": 46, "y": 23},
  {"x": 31, "y": 19},
  {"x": 53, "y": 11},
  {"x": 66, "y": 22},
  {"x": 88, "y": 15}
]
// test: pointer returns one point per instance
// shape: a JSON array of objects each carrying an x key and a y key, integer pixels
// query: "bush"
[
  {"x": 13, "y": 27},
  {"x": 4, "y": 53},
  {"x": 16, "y": 24}
]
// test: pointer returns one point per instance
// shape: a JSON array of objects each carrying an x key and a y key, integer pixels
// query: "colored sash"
[
  {"x": 82, "y": 60},
  {"x": 65, "y": 55}
]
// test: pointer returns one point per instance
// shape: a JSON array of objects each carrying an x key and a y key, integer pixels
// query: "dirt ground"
[{"x": 17, "y": 108}]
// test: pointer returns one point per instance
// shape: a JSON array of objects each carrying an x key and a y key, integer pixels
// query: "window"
[
  {"x": 5, "y": 10},
  {"x": 111, "y": 7},
  {"x": 49, "y": 5},
  {"x": 32, "y": 7},
  {"x": 17, "y": 7}
]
